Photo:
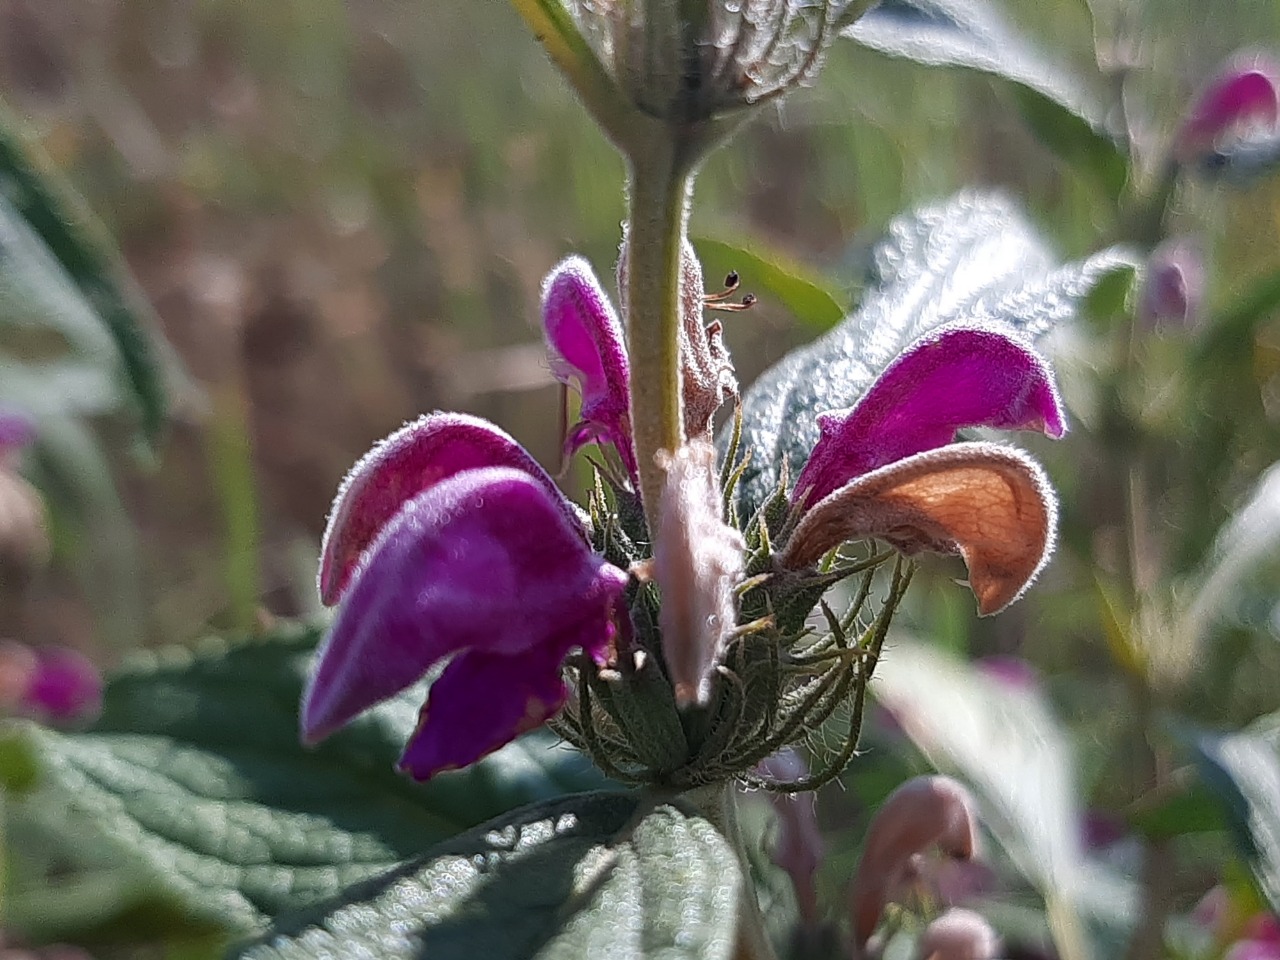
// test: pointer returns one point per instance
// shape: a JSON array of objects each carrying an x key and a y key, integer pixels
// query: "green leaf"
[
  {"x": 1243, "y": 771},
  {"x": 1228, "y": 337},
  {"x": 1005, "y": 742},
  {"x": 194, "y": 780},
  {"x": 581, "y": 877},
  {"x": 55, "y": 273},
  {"x": 974, "y": 35},
  {"x": 974, "y": 257},
  {"x": 1247, "y": 543},
  {"x": 768, "y": 274}
]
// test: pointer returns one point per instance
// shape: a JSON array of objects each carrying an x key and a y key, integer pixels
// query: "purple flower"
[
  {"x": 413, "y": 459},
  {"x": 17, "y": 430},
  {"x": 66, "y": 687},
  {"x": 449, "y": 544},
  {"x": 1243, "y": 92},
  {"x": 587, "y": 347},
  {"x": 957, "y": 376},
  {"x": 921, "y": 814},
  {"x": 59, "y": 685},
  {"x": 881, "y": 469},
  {"x": 1173, "y": 285}
]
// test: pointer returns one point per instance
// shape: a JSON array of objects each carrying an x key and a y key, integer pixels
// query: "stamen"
[
  {"x": 731, "y": 284},
  {"x": 746, "y": 303}
]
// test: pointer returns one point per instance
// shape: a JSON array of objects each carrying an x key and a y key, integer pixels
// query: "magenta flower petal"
[
  {"x": 486, "y": 561},
  {"x": 64, "y": 688},
  {"x": 413, "y": 459},
  {"x": 588, "y": 350},
  {"x": 16, "y": 430},
  {"x": 958, "y": 376},
  {"x": 481, "y": 702},
  {"x": 1244, "y": 91}
]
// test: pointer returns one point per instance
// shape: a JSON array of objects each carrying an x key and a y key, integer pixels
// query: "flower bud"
[
  {"x": 957, "y": 935},
  {"x": 923, "y": 813},
  {"x": 1172, "y": 292},
  {"x": 691, "y": 62},
  {"x": 697, "y": 562}
]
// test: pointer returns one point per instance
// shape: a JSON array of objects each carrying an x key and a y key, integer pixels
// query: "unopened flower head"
[{"x": 726, "y": 54}]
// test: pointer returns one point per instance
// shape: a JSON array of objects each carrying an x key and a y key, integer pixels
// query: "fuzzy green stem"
[
  {"x": 717, "y": 802},
  {"x": 661, "y": 180}
]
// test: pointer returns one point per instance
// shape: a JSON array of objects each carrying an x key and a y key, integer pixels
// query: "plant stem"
[
  {"x": 717, "y": 803},
  {"x": 660, "y": 183}
]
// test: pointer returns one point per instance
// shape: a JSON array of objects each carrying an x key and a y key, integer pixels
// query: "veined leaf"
[
  {"x": 973, "y": 257},
  {"x": 195, "y": 781},
  {"x": 581, "y": 877},
  {"x": 974, "y": 35}
]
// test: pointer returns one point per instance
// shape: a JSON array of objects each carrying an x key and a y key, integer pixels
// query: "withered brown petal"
[{"x": 987, "y": 502}]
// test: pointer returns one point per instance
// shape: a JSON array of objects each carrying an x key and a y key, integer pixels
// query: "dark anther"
[{"x": 720, "y": 301}]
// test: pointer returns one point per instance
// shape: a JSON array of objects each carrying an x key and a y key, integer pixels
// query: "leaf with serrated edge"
[
  {"x": 973, "y": 257},
  {"x": 581, "y": 877},
  {"x": 195, "y": 775}
]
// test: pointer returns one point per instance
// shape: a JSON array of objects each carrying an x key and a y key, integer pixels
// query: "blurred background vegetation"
[{"x": 341, "y": 213}]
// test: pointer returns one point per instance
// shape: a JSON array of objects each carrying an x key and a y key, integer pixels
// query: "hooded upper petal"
[
  {"x": 482, "y": 701},
  {"x": 486, "y": 560},
  {"x": 413, "y": 459},
  {"x": 960, "y": 375},
  {"x": 588, "y": 349},
  {"x": 989, "y": 503}
]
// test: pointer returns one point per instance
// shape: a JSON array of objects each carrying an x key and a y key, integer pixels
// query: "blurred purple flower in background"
[
  {"x": 1243, "y": 95},
  {"x": 1171, "y": 296},
  {"x": 797, "y": 846},
  {"x": 52, "y": 685}
]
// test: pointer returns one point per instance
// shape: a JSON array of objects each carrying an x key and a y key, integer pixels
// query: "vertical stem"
[
  {"x": 717, "y": 802},
  {"x": 660, "y": 184}
]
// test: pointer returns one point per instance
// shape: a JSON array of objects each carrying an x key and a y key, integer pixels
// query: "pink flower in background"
[
  {"x": 1173, "y": 286},
  {"x": 1242, "y": 94},
  {"x": 797, "y": 846},
  {"x": 54, "y": 685}
]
